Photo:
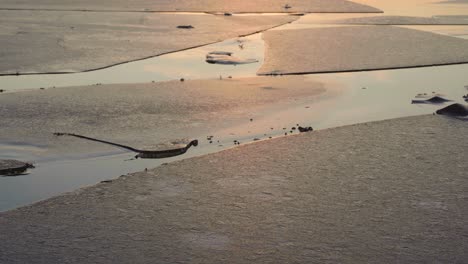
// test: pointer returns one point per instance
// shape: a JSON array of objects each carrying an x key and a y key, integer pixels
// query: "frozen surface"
[
  {"x": 385, "y": 192},
  {"x": 41, "y": 41},
  {"x": 246, "y": 6},
  {"x": 355, "y": 48},
  {"x": 141, "y": 115},
  {"x": 404, "y": 20},
  {"x": 187, "y": 64},
  {"x": 419, "y": 7}
]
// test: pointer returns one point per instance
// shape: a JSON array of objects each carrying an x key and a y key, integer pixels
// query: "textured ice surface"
[
  {"x": 404, "y": 20},
  {"x": 41, "y": 41},
  {"x": 142, "y": 115},
  {"x": 248, "y": 6},
  {"x": 355, "y": 48},
  {"x": 384, "y": 192}
]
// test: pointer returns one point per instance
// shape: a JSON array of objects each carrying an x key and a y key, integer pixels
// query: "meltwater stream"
[{"x": 361, "y": 97}]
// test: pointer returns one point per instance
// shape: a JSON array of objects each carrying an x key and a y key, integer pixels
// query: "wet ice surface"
[
  {"x": 404, "y": 20},
  {"x": 189, "y": 64},
  {"x": 351, "y": 98},
  {"x": 358, "y": 48},
  {"x": 195, "y": 5},
  {"x": 62, "y": 41}
]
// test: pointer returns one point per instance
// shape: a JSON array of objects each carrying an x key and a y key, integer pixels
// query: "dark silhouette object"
[
  {"x": 455, "y": 110},
  {"x": 185, "y": 26},
  {"x": 305, "y": 129},
  {"x": 13, "y": 167},
  {"x": 144, "y": 154},
  {"x": 432, "y": 100}
]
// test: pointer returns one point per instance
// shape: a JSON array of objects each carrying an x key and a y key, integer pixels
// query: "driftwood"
[{"x": 144, "y": 154}]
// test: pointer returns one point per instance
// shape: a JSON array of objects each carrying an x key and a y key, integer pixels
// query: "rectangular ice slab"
[
  {"x": 42, "y": 41},
  {"x": 244, "y": 6},
  {"x": 356, "y": 48}
]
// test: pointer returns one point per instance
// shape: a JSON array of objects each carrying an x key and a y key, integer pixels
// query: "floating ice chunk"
[
  {"x": 227, "y": 53},
  {"x": 226, "y": 58}
]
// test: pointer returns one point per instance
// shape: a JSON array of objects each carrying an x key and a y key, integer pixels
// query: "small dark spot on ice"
[
  {"x": 185, "y": 26},
  {"x": 251, "y": 119},
  {"x": 106, "y": 181},
  {"x": 256, "y": 139},
  {"x": 305, "y": 129},
  {"x": 182, "y": 79}
]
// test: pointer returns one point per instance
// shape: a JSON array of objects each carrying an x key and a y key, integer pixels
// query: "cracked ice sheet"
[
  {"x": 356, "y": 48},
  {"x": 383, "y": 192},
  {"x": 238, "y": 6},
  {"x": 148, "y": 113},
  {"x": 41, "y": 41}
]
